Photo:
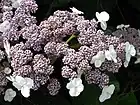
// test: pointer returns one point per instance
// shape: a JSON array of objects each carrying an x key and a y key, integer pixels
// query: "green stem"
[{"x": 72, "y": 36}]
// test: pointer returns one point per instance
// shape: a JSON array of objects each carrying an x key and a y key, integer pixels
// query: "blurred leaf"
[
  {"x": 89, "y": 96},
  {"x": 129, "y": 99}
]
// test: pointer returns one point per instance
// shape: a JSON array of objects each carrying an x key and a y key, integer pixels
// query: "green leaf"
[
  {"x": 128, "y": 99},
  {"x": 89, "y": 96}
]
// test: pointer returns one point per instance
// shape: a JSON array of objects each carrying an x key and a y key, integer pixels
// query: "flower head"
[
  {"x": 75, "y": 87},
  {"x": 98, "y": 59},
  {"x": 9, "y": 95},
  {"x": 102, "y": 17},
  {"x": 106, "y": 93}
]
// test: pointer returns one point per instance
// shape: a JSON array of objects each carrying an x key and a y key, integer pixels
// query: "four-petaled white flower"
[
  {"x": 98, "y": 59},
  {"x": 111, "y": 54},
  {"x": 7, "y": 47},
  {"x": 4, "y": 26},
  {"x": 23, "y": 84},
  {"x": 129, "y": 51},
  {"x": 102, "y": 17},
  {"x": 9, "y": 95},
  {"x": 74, "y": 10},
  {"x": 16, "y": 3},
  {"x": 75, "y": 87},
  {"x": 106, "y": 93},
  {"x": 122, "y": 26}
]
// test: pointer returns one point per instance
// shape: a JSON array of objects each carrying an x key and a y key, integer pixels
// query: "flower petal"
[
  {"x": 110, "y": 89},
  {"x": 93, "y": 59},
  {"x": 29, "y": 82},
  {"x": 132, "y": 50},
  {"x": 98, "y": 63},
  {"x": 103, "y": 97},
  {"x": 125, "y": 64},
  {"x": 127, "y": 47},
  {"x": 127, "y": 57},
  {"x": 69, "y": 85},
  {"x": 80, "y": 88},
  {"x": 76, "y": 81},
  {"x": 107, "y": 55},
  {"x": 25, "y": 91},
  {"x": 98, "y": 16},
  {"x": 104, "y": 16},
  {"x": 73, "y": 92},
  {"x": 103, "y": 25}
]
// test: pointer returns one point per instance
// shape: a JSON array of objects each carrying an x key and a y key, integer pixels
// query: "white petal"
[
  {"x": 69, "y": 85},
  {"x": 107, "y": 55},
  {"x": 17, "y": 85},
  {"x": 29, "y": 82},
  {"x": 76, "y": 81},
  {"x": 98, "y": 63},
  {"x": 7, "y": 98},
  {"x": 103, "y": 97},
  {"x": 93, "y": 59},
  {"x": 132, "y": 50},
  {"x": 10, "y": 78},
  {"x": 98, "y": 16},
  {"x": 4, "y": 26},
  {"x": 104, "y": 16},
  {"x": 127, "y": 46},
  {"x": 127, "y": 57},
  {"x": 19, "y": 82},
  {"x": 120, "y": 26},
  {"x": 110, "y": 89},
  {"x": 73, "y": 92},
  {"x": 25, "y": 91},
  {"x": 103, "y": 25},
  {"x": 125, "y": 64},
  {"x": 15, "y": 4},
  {"x": 74, "y": 10},
  {"x": 80, "y": 88}
]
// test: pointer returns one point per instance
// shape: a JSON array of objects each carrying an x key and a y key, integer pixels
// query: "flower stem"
[{"x": 72, "y": 36}]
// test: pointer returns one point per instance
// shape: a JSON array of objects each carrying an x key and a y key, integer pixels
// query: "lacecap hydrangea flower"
[
  {"x": 75, "y": 87},
  {"x": 106, "y": 93},
  {"x": 9, "y": 95},
  {"x": 22, "y": 84}
]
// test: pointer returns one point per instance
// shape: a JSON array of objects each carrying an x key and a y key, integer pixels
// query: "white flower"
[
  {"x": 74, "y": 10},
  {"x": 102, "y": 17},
  {"x": 7, "y": 47},
  {"x": 106, "y": 93},
  {"x": 16, "y": 3},
  {"x": 111, "y": 54},
  {"x": 4, "y": 26},
  {"x": 122, "y": 26},
  {"x": 98, "y": 59},
  {"x": 129, "y": 51},
  {"x": 75, "y": 87},
  {"x": 7, "y": 70},
  {"x": 9, "y": 95},
  {"x": 23, "y": 84}
]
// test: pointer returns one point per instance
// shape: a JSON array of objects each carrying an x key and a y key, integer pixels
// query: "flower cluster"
[{"x": 33, "y": 49}]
